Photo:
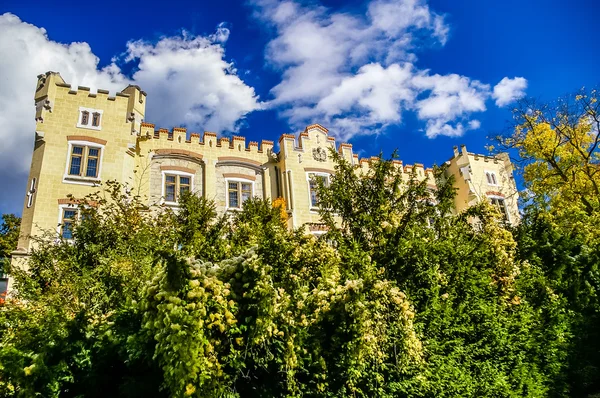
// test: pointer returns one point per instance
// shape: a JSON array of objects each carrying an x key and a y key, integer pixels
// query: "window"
[
  {"x": 84, "y": 161},
  {"x": 89, "y": 118},
  {"x": 68, "y": 218},
  {"x": 95, "y": 119},
  {"x": 237, "y": 193},
  {"x": 175, "y": 185},
  {"x": 313, "y": 183},
  {"x": 500, "y": 204},
  {"x": 491, "y": 178}
]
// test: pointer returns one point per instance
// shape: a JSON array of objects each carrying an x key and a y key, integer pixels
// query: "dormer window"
[{"x": 90, "y": 118}]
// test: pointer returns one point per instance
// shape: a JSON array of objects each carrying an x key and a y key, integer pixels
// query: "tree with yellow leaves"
[
  {"x": 559, "y": 152},
  {"x": 558, "y": 145}
]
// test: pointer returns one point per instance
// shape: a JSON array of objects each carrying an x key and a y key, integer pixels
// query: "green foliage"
[
  {"x": 559, "y": 158},
  {"x": 9, "y": 235},
  {"x": 400, "y": 298}
]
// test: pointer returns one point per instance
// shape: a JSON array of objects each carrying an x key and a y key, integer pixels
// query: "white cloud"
[
  {"x": 356, "y": 74},
  {"x": 189, "y": 83},
  {"x": 449, "y": 102},
  {"x": 186, "y": 77},
  {"x": 509, "y": 90}
]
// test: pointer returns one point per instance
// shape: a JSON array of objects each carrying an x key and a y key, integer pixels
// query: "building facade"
[{"x": 83, "y": 139}]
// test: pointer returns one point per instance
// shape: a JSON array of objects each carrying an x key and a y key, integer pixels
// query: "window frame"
[
  {"x": 315, "y": 208},
  {"x": 506, "y": 213},
  {"x": 240, "y": 181},
  {"x": 82, "y": 179},
  {"x": 61, "y": 211},
  {"x": 178, "y": 174},
  {"x": 90, "y": 118}
]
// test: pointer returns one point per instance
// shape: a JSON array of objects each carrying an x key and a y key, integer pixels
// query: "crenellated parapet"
[{"x": 204, "y": 142}]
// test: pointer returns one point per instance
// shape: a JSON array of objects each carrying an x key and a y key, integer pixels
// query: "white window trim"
[
  {"x": 236, "y": 179},
  {"x": 162, "y": 189},
  {"x": 505, "y": 206},
  {"x": 82, "y": 180},
  {"x": 495, "y": 178},
  {"x": 61, "y": 208},
  {"x": 314, "y": 209},
  {"x": 91, "y": 111}
]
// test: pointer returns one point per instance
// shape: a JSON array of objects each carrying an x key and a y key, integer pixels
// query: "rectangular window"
[
  {"x": 238, "y": 192},
  {"x": 84, "y": 161},
  {"x": 92, "y": 162},
  {"x": 184, "y": 184},
  {"x": 68, "y": 219},
  {"x": 500, "y": 204},
  {"x": 313, "y": 183},
  {"x": 175, "y": 186}
]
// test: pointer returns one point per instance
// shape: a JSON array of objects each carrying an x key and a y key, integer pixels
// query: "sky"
[{"x": 413, "y": 75}]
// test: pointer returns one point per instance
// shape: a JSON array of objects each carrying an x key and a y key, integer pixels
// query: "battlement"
[
  {"x": 100, "y": 93},
  {"x": 207, "y": 139},
  {"x": 499, "y": 158}
]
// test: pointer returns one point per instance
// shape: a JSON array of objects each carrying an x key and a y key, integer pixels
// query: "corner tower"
[{"x": 82, "y": 139}]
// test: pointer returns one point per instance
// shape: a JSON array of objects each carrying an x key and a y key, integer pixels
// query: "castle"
[{"x": 84, "y": 138}]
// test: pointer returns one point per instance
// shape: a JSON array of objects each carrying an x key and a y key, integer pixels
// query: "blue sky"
[{"x": 383, "y": 74}]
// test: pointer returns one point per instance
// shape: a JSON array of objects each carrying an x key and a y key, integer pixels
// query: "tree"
[
  {"x": 558, "y": 144},
  {"x": 485, "y": 328},
  {"x": 560, "y": 160},
  {"x": 9, "y": 235},
  {"x": 72, "y": 329},
  {"x": 399, "y": 298}
]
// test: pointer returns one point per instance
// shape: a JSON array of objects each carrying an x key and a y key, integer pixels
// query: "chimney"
[
  {"x": 455, "y": 148},
  {"x": 463, "y": 149}
]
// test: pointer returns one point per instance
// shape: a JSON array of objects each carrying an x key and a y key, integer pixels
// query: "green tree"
[
  {"x": 478, "y": 312},
  {"x": 399, "y": 298},
  {"x": 9, "y": 235},
  {"x": 73, "y": 327}
]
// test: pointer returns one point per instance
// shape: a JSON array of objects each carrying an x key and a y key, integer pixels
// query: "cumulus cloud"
[
  {"x": 509, "y": 90},
  {"x": 189, "y": 82},
  {"x": 449, "y": 98},
  {"x": 187, "y": 78},
  {"x": 357, "y": 74}
]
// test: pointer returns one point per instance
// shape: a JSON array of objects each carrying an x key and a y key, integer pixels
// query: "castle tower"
[
  {"x": 480, "y": 177},
  {"x": 81, "y": 140}
]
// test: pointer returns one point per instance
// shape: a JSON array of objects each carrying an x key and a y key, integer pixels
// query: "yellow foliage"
[{"x": 281, "y": 205}]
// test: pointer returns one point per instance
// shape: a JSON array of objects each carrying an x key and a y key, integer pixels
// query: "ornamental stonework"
[{"x": 319, "y": 154}]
